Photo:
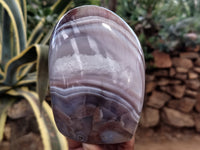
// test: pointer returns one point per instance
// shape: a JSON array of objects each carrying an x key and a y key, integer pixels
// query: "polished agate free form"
[{"x": 96, "y": 76}]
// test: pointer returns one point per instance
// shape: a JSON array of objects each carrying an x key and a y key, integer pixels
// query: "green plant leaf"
[
  {"x": 47, "y": 37},
  {"x": 1, "y": 32},
  {"x": 13, "y": 24},
  {"x": 42, "y": 71},
  {"x": 13, "y": 66},
  {"x": 15, "y": 13},
  {"x": 4, "y": 89},
  {"x": 60, "y": 5},
  {"x": 1, "y": 74},
  {"x": 5, "y": 103},
  {"x": 62, "y": 140},
  {"x": 23, "y": 8},
  {"x": 37, "y": 33},
  {"x": 34, "y": 103},
  {"x": 50, "y": 135},
  {"x": 29, "y": 79},
  {"x": 38, "y": 53},
  {"x": 6, "y": 39},
  {"x": 67, "y": 7}
]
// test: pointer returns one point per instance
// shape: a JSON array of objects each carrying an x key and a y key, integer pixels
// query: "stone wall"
[{"x": 173, "y": 91}]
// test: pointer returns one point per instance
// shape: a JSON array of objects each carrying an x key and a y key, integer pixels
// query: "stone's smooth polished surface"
[{"x": 97, "y": 77}]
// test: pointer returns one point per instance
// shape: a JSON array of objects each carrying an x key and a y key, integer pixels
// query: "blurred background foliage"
[{"x": 162, "y": 24}]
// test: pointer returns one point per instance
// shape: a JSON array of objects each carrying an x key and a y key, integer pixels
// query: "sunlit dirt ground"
[{"x": 167, "y": 140}]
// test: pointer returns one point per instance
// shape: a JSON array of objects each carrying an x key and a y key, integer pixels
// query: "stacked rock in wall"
[{"x": 173, "y": 91}]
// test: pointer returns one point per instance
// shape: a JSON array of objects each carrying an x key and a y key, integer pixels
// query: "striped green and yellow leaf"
[
  {"x": 5, "y": 103},
  {"x": 51, "y": 137},
  {"x": 24, "y": 66}
]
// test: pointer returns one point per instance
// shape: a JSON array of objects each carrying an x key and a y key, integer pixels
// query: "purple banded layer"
[{"x": 96, "y": 73}]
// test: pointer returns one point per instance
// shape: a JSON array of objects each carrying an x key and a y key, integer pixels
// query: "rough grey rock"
[
  {"x": 19, "y": 110},
  {"x": 158, "y": 99},
  {"x": 176, "y": 118},
  {"x": 29, "y": 141},
  {"x": 150, "y": 117}
]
